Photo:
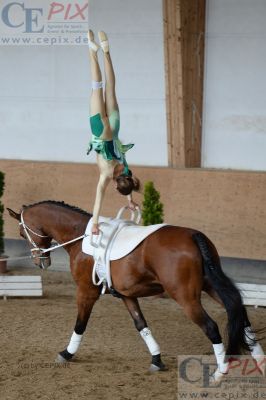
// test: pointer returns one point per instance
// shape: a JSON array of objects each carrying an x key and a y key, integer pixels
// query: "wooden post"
[{"x": 184, "y": 32}]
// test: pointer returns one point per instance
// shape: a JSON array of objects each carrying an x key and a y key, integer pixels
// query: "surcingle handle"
[
  {"x": 96, "y": 243},
  {"x": 135, "y": 215}
]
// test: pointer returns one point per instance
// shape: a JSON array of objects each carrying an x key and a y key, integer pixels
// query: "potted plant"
[
  {"x": 152, "y": 208},
  {"x": 3, "y": 258}
]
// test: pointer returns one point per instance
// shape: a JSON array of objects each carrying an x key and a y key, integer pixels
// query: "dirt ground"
[{"x": 112, "y": 362}]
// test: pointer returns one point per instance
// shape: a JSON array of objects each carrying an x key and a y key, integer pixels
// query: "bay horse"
[{"x": 181, "y": 261}]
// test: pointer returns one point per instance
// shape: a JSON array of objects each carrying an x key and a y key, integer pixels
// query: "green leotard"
[{"x": 109, "y": 149}]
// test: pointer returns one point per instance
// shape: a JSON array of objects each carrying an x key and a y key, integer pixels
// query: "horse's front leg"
[
  {"x": 141, "y": 325},
  {"x": 86, "y": 298}
]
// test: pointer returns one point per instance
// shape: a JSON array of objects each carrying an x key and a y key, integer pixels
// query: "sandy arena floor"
[{"x": 112, "y": 362}]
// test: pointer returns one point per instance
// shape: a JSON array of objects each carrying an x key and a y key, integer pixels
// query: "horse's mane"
[{"x": 60, "y": 204}]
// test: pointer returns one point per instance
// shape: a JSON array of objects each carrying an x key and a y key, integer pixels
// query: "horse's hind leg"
[
  {"x": 207, "y": 288},
  {"x": 142, "y": 327},
  {"x": 255, "y": 348},
  {"x": 194, "y": 310}
]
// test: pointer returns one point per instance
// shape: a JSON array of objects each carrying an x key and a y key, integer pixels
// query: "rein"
[{"x": 57, "y": 246}]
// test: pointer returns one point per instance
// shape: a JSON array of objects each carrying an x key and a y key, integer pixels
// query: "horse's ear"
[{"x": 13, "y": 214}]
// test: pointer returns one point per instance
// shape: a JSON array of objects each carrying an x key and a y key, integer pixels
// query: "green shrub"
[
  {"x": 152, "y": 208},
  {"x": 2, "y": 185}
]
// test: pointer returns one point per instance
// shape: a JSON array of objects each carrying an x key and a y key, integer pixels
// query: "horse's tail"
[{"x": 228, "y": 293}]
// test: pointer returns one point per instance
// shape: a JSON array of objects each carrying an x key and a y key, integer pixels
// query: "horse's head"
[{"x": 31, "y": 230}]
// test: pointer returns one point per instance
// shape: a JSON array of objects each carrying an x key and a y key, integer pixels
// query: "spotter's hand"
[{"x": 95, "y": 229}]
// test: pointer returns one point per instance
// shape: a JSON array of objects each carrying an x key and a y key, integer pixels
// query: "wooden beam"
[
  {"x": 174, "y": 83},
  {"x": 184, "y": 32}
]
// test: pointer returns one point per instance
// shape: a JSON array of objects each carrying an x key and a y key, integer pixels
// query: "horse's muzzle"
[
  {"x": 41, "y": 260},
  {"x": 44, "y": 262}
]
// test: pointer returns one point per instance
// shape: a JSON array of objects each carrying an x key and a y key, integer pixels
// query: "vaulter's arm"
[
  {"x": 100, "y": 191},
  {"x": 131, "y": 203}
]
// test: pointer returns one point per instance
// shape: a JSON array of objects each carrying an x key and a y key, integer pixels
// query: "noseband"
[{"x": 35, "y": 247}]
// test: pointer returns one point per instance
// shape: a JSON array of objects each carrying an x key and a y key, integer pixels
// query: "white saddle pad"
[{"x": 127, "y": 237}]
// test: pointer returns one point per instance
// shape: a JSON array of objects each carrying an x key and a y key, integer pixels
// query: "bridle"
[{"x": 35, "y": 248}]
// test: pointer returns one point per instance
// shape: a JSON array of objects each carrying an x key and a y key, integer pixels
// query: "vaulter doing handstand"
[{"x": 105, "y": 123}]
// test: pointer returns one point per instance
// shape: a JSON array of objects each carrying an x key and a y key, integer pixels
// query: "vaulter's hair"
[{"x": 126, "y": 184}]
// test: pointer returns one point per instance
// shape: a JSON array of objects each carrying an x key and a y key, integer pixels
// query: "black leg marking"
[
  {"x": 212, "y": 330},
  {"x": 156, "y": 360},
  {"x": 66, "y": 355}
]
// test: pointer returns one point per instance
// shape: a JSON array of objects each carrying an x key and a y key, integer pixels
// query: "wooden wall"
[
  {"x": 229, "y": 206},
  {"x": 184, "y": 32}
]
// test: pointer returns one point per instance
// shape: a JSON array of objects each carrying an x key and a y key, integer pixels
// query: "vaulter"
[{"x": 105, "y": 123}]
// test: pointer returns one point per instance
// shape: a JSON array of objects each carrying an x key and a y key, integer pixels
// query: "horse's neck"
[{"x": 64, "y": 225}]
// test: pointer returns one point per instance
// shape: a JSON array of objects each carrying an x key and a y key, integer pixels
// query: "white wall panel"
[
  {"x": 136, "y": 36},
  {"x": 44, "y": 95},
  {"x": 234, "y": 131}
]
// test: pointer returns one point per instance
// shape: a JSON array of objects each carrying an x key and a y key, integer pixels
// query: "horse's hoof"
[
  {"x": 60, "y": 359},
  {"x": 260, "y": 361},
  {"x": 157, "y": 364},
  {"x": 63, "y": 357},
  {"x": 217, "y": 377},
  {"x": 159, "y": 367}
]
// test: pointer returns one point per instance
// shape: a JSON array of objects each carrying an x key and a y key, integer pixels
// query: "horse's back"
[
  {"x": 172, "y": 238},
  {"x": 175, "y": 259},
  {"x": 166, "y": 257}
]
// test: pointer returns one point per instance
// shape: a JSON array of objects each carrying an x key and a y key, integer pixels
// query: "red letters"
[
  {"x": 247, "y": 366},
  {"x": 68, "y": 11}
]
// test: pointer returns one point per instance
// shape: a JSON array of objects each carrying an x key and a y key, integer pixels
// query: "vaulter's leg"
[
  {"x": 110, "y": 94},
  {"x": 86, "y": 299},
  {"x": 142, "y": 327},
  {"x": 96, "y": 101},
  {"x": 99, "y": 121}
]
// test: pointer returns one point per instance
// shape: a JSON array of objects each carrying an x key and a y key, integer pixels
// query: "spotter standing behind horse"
[
  {"x": 105, "y": 123},
  {"x": 181, "y": 261}
]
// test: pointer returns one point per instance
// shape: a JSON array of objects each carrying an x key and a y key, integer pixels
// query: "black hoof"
[
  {"x": 64, "y": 356},
  {"x": 157, "y": 364}
]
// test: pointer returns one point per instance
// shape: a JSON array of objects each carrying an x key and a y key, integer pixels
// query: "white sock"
[
  {"x": 93, "y": 46},
  {"x": 256, "y": 350},
  {"x": 74, "y": 343},
  {"x": 219, "y": 352},
  {"x": 151, "y": 343},
  {"x": 96, "y": 85}
]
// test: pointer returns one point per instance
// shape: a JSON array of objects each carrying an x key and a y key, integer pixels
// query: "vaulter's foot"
[
  {"x": 103, "y": 41},
  {"x": 91, "y": 42}
]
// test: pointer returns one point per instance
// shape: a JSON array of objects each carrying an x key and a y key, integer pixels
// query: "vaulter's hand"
[
  {"x": 95, "y": 229},
  {"x": 132, "y": 205}
]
